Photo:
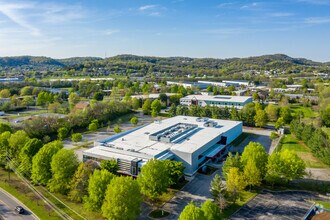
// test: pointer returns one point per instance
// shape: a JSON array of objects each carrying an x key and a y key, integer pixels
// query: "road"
[{"x": 7, "y": 206}]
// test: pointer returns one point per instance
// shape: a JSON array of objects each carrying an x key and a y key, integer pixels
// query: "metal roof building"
[
  {"x": 191, "y": 140},
  {"x": 218, "y": 100}
]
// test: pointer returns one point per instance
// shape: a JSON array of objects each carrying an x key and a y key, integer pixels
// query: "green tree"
[
  {"x": 260, "y": 118},
  {"x": 256, "y": 152},
  {"x": 41, "y": 162},
  {"x": 235, "y": 182},
  {"x": 146, "y": 107},
  {"x": 175, "y": 169},
  {"x": 93, "y": 125},
  {"x": 5, "y": 93},
  {"x": 273, "y": 135},
  {"x": 211, "y": 210},
  {"x": 272, "y": 112},
  {"x": 97, "y": 186},
  {"x": 27, "y": 90},
  {"x": 62, "y": 133},
  {"x": 28, "y": 101},
  {"x": 134, "y": 121},
  {"x": 218, "y": 191},
  {"x": 117, "y": 129},
  {"x": 79, "y": 182},
  {"x": 192, "y": 212},
  {"x": 4, "y": 145},
  {"x": 154, "y": 179},
  {"x": 135, "y": 103},
  {"x": 284, "y": 166},
  {"x": 5, "y": 127},
  {"x": 231, "y": 161},
  {"x": 63, "y": 166},
  {"x": 123, "y": 199},
  {"x": 110, "y": 165},
  {"x": 98, "y": 96},
  {"x": 16, "y": 142},
  {"x": 255, "y": 96},
  {"x": 325, "y": 116},
  {"x": 285, "y": 113},
  {"x": 279, "y": 123},
  {"x": 252, "y": 174},
  {"x": 156, "y": 106},
  {"x": 172, "y": 110},
  {"x": 73, "y": 99},
  {"x": 76, "y": 137},
  {"x": 30, "y": 149},
  {"x": 294, "y": 166}
]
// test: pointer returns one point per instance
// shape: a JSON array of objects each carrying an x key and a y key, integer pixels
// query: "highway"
[{"x": 7, "y": 206}]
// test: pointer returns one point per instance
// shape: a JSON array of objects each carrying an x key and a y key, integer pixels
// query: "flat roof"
[
  {"x": 152, "y": 96},
  {"x": 137, "y": 144},
  {"x": 223, "y": 98}
]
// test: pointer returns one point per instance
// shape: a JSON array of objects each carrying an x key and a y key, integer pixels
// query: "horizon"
[
  {"x": 216, "y": 29},
  {"x": 247, "y": 57}
]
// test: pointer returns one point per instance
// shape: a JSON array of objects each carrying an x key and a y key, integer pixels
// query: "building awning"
[
  {"x": 215, "y": 151},
  {"x": 166, "y": 156}
]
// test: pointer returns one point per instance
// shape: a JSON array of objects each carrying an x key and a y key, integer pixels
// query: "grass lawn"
[
  {"x": 325, "y": 204},
  {"x": 290, "y": 142},
  {"x": 19, "y": 190},
  {"x": 77, "y": 207},
  {"x": 166, "y": 196},
  {"x": 244, "y": 197},
  {"x": 308, "y": 111}
]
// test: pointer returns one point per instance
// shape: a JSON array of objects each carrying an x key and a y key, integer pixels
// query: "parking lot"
[
  {"x": 277, "y": 205},
  {"x": 197, "y": 190}
]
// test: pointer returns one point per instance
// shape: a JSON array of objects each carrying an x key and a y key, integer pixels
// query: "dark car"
[{"x": 19, "y": 209}]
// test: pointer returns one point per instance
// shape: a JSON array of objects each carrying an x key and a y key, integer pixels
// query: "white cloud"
[
  {"x": 317, "y": 20},
  {"x": 13, "y": 12},
  {"x": 111, "y": 31},
  {"x": 147, "y": 7},
  {"x": 250, "y": 6},
  {"x": 152, "y": 10},
  {"x": 281, "y": 14}
]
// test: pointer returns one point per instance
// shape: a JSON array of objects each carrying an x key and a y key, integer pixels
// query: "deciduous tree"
[
  {"x": 211, "y": 210},
  {"x": 97, "y": 186},
  {"x": 123, "y": 199},
  {"x": 41, "y": 168},
  {"x": 192, "y": 212},
  {"x": 79, "y": 182},
  {"x": 154, "y": 179},
  {"x": 63, "y": 166}
]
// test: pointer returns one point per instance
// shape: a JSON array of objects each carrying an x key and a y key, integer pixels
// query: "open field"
[
  {"x": 290, "y": 142},
  {"x": 307, "y": 111}
]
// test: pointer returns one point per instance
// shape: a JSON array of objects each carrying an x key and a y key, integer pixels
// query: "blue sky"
[{"x": 194, "y": 28}]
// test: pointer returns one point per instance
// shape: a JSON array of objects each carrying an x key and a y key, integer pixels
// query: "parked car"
[{"x": 19, "y": 209}]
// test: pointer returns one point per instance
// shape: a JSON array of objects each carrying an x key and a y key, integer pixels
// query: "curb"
[{"x": 18, "y": 201}]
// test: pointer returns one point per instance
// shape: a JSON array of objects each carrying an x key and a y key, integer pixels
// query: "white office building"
[
  {"x": 192, "y": 140},
  {"x": 218, "y": 100}
]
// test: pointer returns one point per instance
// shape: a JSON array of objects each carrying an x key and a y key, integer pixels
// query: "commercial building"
[
  {"x": 237, "y": 82},
  {"x": 188, "y": 84},
  {"x": 218, "y": 100},
  {"x": 192, "y": 140}
]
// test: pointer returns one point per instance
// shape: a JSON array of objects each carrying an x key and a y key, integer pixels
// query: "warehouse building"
[
  {"x": 218, "y": 100},
  {"x": 192, "y": 140}
]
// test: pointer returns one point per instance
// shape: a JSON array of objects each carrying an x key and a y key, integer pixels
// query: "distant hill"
[
  {"x": 142, "y": 65},
  {"x": 36, "y": 61},
  {"x": 28, "y": 61}
]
